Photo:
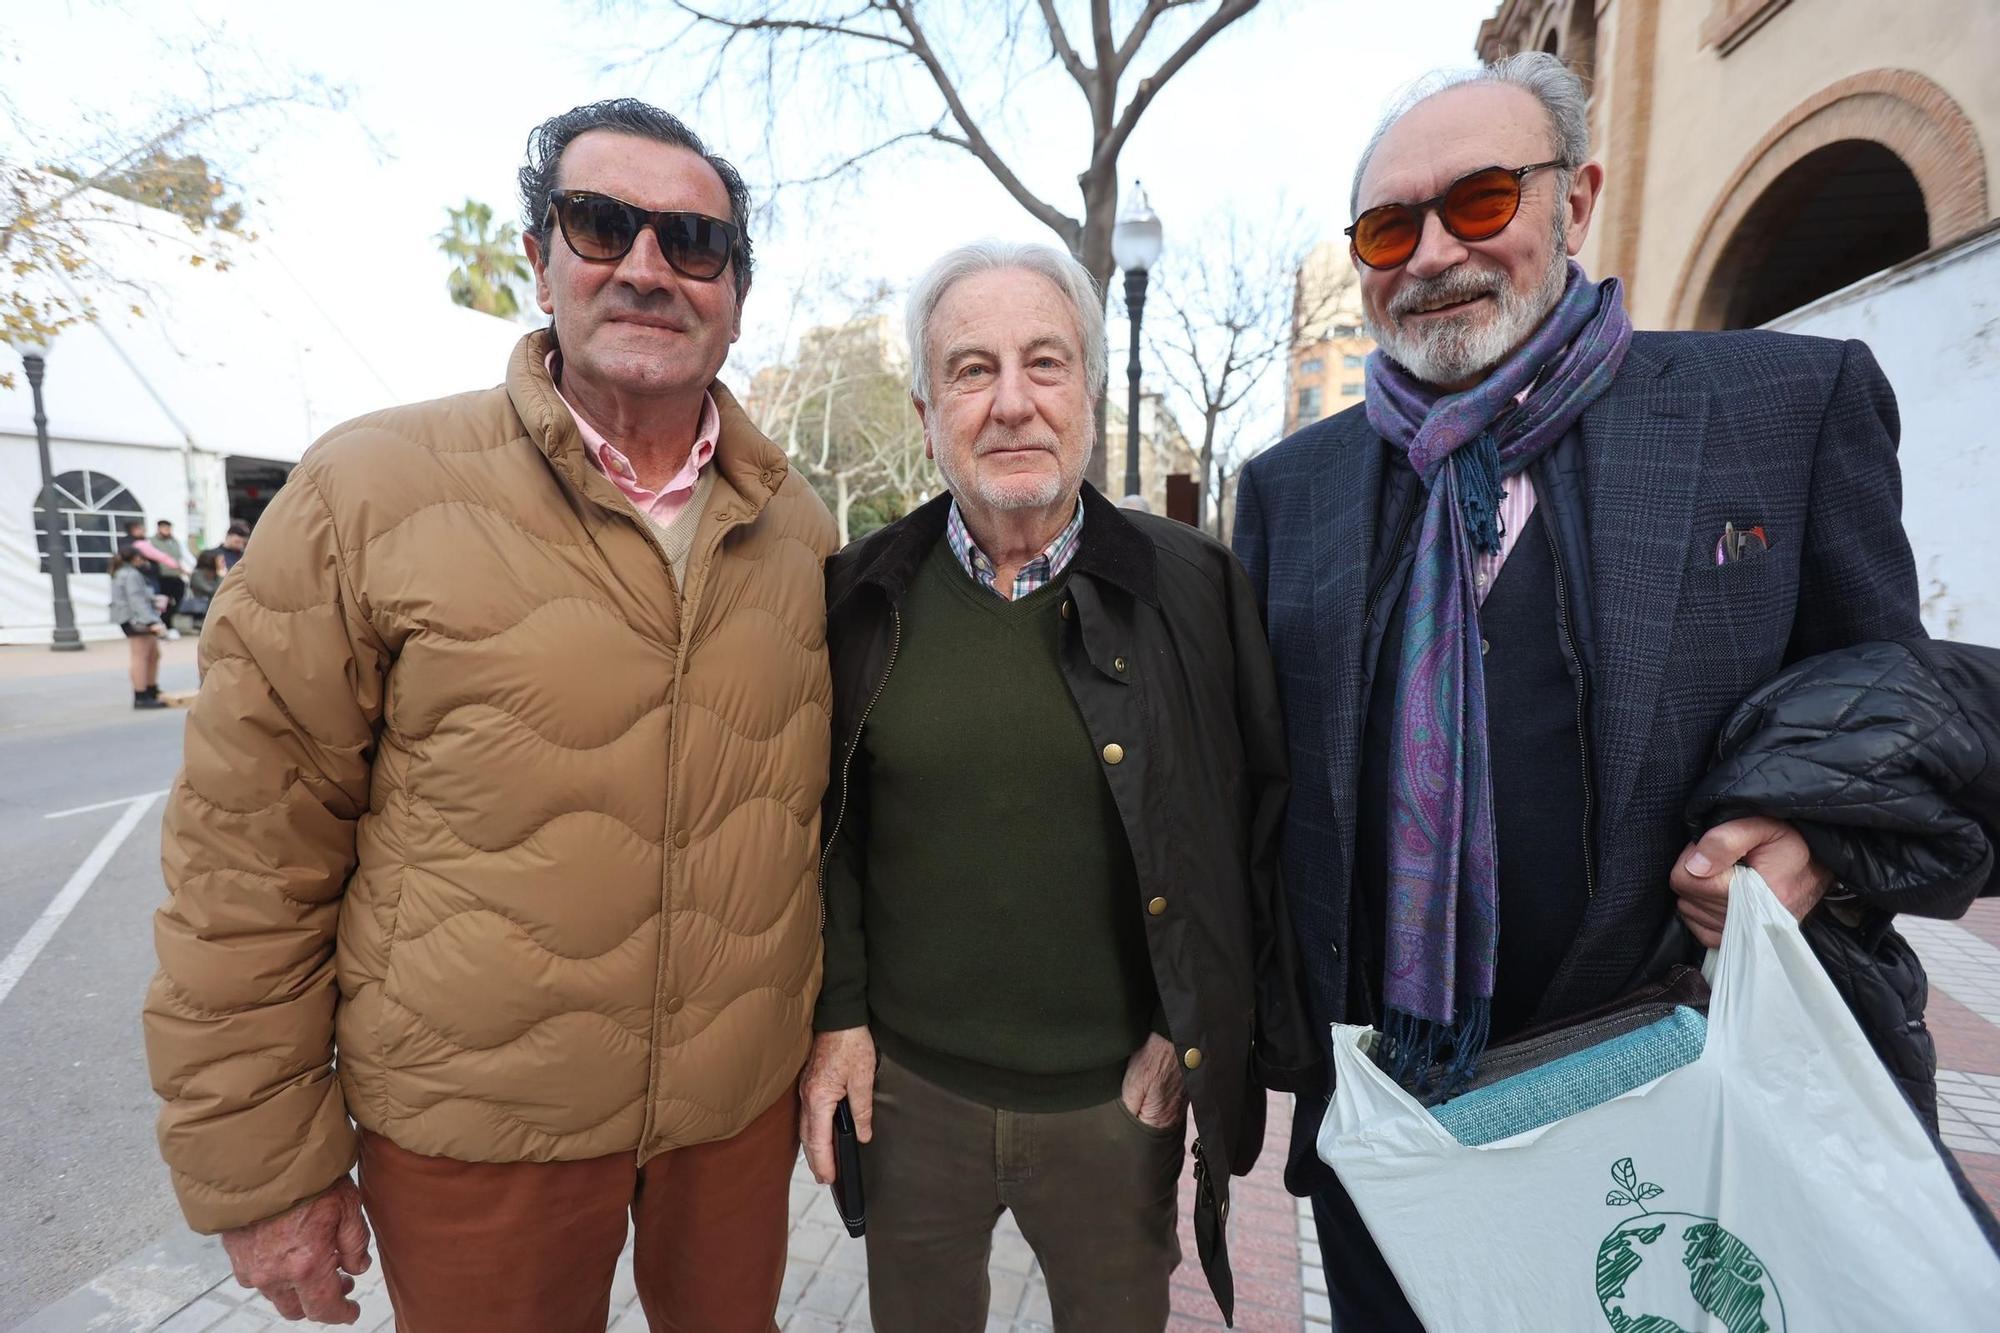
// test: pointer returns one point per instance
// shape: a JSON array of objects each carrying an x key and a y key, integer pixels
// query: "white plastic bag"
[{"x": 1778, "y": 1183}]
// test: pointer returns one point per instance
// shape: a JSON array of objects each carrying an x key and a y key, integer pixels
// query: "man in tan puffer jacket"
[{"x": 493, "y": 864}]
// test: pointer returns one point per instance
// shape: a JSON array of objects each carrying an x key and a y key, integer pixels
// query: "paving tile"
[
  {"x": 197, "y": 1316},
  {"x": 830, "y": 1294},
  {"x": 246, "y": 1320}
]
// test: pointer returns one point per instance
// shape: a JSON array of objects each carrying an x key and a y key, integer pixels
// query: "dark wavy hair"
[{"x": 627, "y": 115}]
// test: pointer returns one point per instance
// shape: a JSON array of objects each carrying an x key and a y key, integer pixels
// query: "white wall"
[
  {"x": 157, "y": 477},
  {"x": 1934, "y": 325}
]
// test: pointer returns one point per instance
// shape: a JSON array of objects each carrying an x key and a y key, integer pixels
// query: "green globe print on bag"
[{"x": 1714, "y": 1273}]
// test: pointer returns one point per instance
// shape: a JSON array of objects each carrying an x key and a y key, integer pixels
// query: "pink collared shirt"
[
  {"x": 664, "y": 505},
  {"x": 1517, "y": 505}
]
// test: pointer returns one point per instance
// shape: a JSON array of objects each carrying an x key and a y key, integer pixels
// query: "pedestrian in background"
[
  {"x": 204, "y": 581},
  {"x": 135, "y": 611},
  {"x": 234, "y": 542},
  {"x": 173, "y": 582}
]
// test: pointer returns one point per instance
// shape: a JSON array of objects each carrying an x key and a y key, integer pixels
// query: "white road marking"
[
  {"x": 104, "y": 805},
  {"x": 31, "y": 944}
]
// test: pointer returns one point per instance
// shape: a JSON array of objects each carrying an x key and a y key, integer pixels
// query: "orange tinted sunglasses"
[{"x": 1475, "y": 207}]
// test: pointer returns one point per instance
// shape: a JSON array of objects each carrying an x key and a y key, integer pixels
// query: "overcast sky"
[{"x": 1267, "y": 120}]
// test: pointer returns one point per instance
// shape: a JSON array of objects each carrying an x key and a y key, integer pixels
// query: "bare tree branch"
[
  {"x": 1149, "y": 87},
  {"x": 1142, "y": 26},
  {"x": 1082, "y": 73},
  {"x": 976, "y": 141}
]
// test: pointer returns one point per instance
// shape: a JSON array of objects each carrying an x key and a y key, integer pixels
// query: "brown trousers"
[
  {"x": 491, "y": 1247},
  {"x": 1094, "y": 1193}
]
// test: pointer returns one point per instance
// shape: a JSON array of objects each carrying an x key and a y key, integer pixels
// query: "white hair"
[
  {"x": 1538, "y": 73},
  {"x": 1069, "y": 277}
]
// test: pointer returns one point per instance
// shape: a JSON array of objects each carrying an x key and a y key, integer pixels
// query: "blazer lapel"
[
  {"x": 1346, "y": 487},
  {"x": 1643, "y": 443}
]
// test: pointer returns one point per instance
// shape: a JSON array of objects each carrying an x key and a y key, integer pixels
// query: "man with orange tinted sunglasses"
[{"x": 1504, "y": 641}]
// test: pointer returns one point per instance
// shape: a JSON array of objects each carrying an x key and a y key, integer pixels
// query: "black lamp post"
[
  {"x": 35, "y": 360},
  {"x": 1135, "y": 247}
]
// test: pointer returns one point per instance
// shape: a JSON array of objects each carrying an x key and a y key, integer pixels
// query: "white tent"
[{"x": 150, "y": 414}]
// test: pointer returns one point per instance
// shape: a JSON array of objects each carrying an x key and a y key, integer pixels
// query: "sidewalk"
[
  {"x": 38, "y": 661},
  {"x": 182, "y": 1285},
  {"x": 826, "y": 1281}
]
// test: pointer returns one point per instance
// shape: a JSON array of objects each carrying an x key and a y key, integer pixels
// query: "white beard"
[
  {"x": 1454, "y": 349},
  {"x": 1013, "y": 492}
]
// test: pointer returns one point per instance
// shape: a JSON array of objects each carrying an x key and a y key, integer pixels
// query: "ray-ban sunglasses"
[
  {"x": 1475, "y": 207},
  {"x": 603, "y": 230}
]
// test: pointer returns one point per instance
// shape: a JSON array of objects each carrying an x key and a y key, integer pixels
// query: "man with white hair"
[
  {"x": 1052, "y": 923},
  {"x": 1513, "y": 596}
]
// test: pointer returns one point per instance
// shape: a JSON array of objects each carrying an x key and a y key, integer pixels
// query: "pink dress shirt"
[
  {"x": 1517, "y": 505},
  {"x": 664, "y": 505}
]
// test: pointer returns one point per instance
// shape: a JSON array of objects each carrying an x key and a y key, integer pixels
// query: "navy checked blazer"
[{"x": 1698, "y": 430}]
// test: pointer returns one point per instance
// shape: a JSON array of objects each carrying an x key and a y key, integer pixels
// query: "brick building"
[{"x": 1760, "y": 154}]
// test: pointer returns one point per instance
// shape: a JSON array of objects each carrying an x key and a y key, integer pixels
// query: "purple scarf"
[{"x": 1443, "y": 891}]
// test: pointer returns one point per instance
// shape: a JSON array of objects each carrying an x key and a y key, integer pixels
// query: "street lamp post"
[
  {"x": 1135, "y": 247},
  {"x": 35, "y": 360}
]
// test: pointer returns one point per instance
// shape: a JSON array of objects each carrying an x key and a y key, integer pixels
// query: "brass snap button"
[
  {"x": 1114, "y": 753},
  {"x": 1157, "y": 906}
]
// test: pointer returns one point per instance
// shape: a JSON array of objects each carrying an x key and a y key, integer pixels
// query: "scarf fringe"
[
  {"x": 1477, "y": 467},
  {"x": 1409, "y": 1051}
]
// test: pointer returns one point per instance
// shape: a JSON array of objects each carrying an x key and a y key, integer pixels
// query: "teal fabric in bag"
[{"x": 1576, "y": 1082}]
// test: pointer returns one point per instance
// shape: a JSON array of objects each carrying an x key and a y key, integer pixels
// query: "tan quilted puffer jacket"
[{"x": 475, "y": 801}]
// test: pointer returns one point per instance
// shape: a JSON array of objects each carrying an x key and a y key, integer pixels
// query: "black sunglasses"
[
  {"x": 1475, "y": 207},
  {"x": 603, "y": 230}
]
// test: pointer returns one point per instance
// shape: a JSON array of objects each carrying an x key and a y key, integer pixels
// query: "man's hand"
[
  {"x": 842, "y": 1064},
  {"x": 301, "y": 1258},
  {"x": 1153, "y": 1092},
  {"x": 1773, "y": 849}
]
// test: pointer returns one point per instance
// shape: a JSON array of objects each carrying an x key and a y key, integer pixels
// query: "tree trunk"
[
  {"x": 843, "y": 502},
  {"x": 1093, "y": 251}
]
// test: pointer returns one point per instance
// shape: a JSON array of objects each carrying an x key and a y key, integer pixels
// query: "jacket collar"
[
  {"x": 747, "y": 462},
  {"x": 1112, "y": 550}
]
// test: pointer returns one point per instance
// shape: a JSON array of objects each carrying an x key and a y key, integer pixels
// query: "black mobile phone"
[
  {"x": 849, "y": 1171},
  {"x": 847, "y": 1195}
]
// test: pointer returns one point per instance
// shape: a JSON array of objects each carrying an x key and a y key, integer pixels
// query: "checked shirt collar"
[{"x": 1037, "y": 573}]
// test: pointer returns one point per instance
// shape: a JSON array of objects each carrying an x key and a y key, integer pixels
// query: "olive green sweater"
[{"x": 1005, "y": 951}]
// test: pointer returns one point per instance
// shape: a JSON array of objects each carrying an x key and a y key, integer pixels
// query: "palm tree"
[{"x": 490, "y": 264}]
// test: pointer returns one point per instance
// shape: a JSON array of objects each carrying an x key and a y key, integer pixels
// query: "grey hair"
[
  {"x": 1063, "y": 272},
  {"x": 1538, "y": 73}
]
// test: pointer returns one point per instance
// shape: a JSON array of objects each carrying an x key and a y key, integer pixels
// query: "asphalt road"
[{"x": 83, "y": 1185}]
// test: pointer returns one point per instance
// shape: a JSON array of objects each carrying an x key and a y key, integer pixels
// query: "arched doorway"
[
  {"x": 1895, "y": 112},
  {"x": 1833, "y": 217}
]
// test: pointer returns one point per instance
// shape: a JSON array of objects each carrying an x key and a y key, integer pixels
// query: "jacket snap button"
[
  {"x": 1157, "y": 906},
  {"x": 1118, "y": 665},
  {"x": 1192, "y": 1059},
  {"x": 681, "y": 838},
  {"x": 1064, "y": 609},
  {"x": 1484, "y": 647},
  {"x": 1114, "y": 753},
  {"x": 674, "y": 1005}
]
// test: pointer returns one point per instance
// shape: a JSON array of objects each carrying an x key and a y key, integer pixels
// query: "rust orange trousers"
[{"x": 492, "y": 1247}]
